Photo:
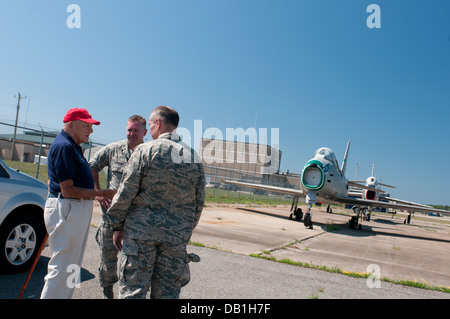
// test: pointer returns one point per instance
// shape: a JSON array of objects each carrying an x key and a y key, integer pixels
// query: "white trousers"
[{"x": 67, "y": 222}]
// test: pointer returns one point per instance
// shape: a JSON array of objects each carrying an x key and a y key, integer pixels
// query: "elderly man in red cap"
[{"x": 68, "y": 209}]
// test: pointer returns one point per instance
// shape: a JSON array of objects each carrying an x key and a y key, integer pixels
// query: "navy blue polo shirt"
[{"x": 66, "y": 161}]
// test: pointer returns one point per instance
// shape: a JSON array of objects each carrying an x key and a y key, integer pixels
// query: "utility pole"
[{"x": 19, "y": 97}]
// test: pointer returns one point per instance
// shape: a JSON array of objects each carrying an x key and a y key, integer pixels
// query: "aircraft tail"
[
  {"x": 373, "y": 169},
  {"x": 344, "y": 163}
]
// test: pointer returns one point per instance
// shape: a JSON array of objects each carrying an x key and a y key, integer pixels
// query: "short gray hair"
[{"x": 166, "y": 114}]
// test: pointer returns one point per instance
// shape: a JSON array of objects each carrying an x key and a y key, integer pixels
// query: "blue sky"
[{"x": 312, "y": 69}]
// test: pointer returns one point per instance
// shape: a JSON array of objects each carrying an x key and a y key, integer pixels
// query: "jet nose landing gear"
[{"x": 308, "y": 217}]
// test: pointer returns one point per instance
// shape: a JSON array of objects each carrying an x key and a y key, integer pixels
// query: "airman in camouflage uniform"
[
  {"x": 156, "y": 208},
  {"x": 114, "y": 156}
]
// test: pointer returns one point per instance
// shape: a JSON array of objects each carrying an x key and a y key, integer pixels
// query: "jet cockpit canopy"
[{"x": 327, "y": 154}]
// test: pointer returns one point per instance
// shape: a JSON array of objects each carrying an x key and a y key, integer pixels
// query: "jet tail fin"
[{"x": 344, "y": 163}]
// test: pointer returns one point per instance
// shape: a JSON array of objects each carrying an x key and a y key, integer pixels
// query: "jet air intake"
[
  {"x": 313, "y": 178},
  {"x": 370, "y": 195}
]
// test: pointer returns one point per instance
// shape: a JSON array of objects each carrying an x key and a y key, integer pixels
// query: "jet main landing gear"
[
  {"x": 408, "y": 219},
  {"x": 354, "y": 221},
  {"x": 297, "y": 215}
]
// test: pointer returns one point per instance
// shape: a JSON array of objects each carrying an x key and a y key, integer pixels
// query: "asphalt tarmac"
[{"x": 419, "y": 252}]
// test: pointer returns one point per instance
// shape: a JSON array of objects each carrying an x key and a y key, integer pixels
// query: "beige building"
[
  {"x": 27, "y": 145},
  {"x": 30, "y": 144},
  {"x": 246, "y": 158},
  {"x": 243, "y": 161}
]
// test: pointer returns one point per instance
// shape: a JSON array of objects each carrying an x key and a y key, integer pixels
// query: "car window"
[{"x": 3, "y": 172}]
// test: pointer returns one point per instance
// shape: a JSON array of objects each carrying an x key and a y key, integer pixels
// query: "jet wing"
[
  {"x": 372, "y": 203},
  {"x": 354, "y": 184},
  {"x": 281, "y": 190},
  {"x": 400, "y": 201}
]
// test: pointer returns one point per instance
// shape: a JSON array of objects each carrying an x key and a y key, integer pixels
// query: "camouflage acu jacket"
[
  {"x": 114, "y": 156},
  {"x": 162, "y": 192}
]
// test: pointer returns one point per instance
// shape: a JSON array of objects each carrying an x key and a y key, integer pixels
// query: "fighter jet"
[
  {"x": 375, "y": 194},
  {"x": 323, "y": 180},
  {"x": 379, "y": 195},
  {"x": 371, "y": 182}
]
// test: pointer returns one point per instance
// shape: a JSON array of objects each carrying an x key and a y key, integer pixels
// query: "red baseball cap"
[{"x": 79, "y": 114}]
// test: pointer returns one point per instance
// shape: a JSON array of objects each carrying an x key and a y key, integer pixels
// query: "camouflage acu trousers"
[
  {"x": 146, "y": 265},
  {"x": 107, "y": 269}
]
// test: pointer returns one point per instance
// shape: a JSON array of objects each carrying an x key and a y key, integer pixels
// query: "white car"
[{"x": 22, "y": 229}]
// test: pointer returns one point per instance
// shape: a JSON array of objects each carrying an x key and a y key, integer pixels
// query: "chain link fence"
[
  {"x": 25, "y": 144},
  {"x": 215, "y": 187},
  {"x": 26, "y": 148}
]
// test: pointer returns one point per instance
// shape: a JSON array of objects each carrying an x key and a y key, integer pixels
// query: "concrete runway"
[{"x": 419, "y": 251}]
